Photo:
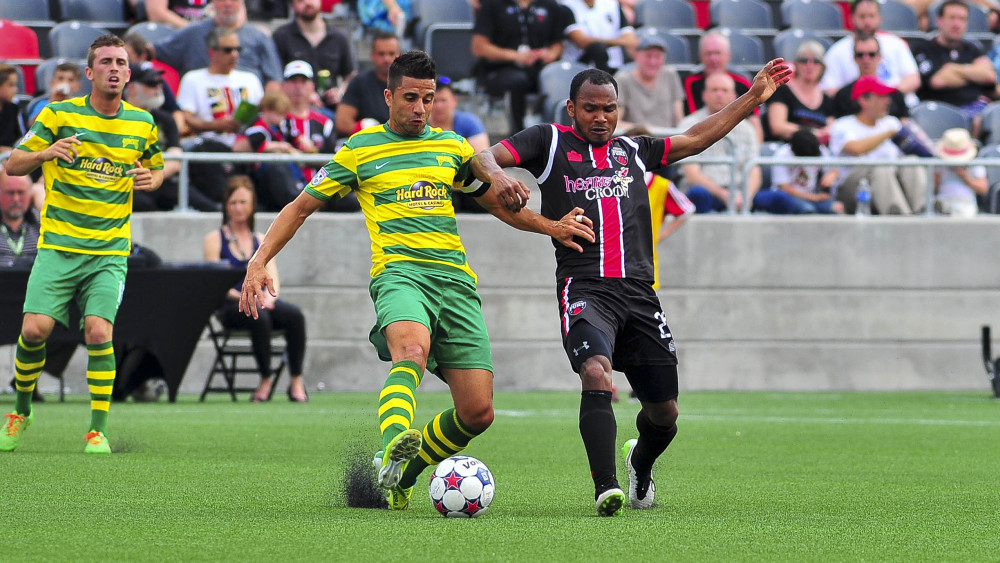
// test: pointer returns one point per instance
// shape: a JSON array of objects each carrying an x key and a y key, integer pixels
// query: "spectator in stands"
[
  {"x": 923, "y": 21},
  {"x": 11, "y": 121},
  {"x": 363, "y": 104},
  {"x": 324, "y": 47},
  {"x": 714, "y": 53},
  {"x": 897, "y": 68},
  {"x": 385, "y": 15},
  {"x": 278, "y": 183},
  {"x": 953, "y": 69},
  {"x": 20, "y": 222},
  {"x": 514, "y": 39},
  {"x": 896, "y": 190},
  {"x": 800, "y": 189},
  {"x": 801, "y": 103},
  {"x": 64, "y": 84},
  {"x": 709, "y": 186},
  {"x": 600, "y": 35},
  {"x": 868, "y": 56},
  {"x": 181, "y": 50},
  {"x": 446, "y": 115},
  {"x": 209, "y": 98},
  {"x": 235, "y": 242},
  {"x": 650, "y": 94},
  {"x": 177, "y": 13},
  {"x": 959, "y": 187},
  {"x": 140, "y": 53},
  {"x": 145, "y": 90}
]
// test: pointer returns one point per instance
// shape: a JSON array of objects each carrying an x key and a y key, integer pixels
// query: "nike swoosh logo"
[{"x": 379, "y": 166}]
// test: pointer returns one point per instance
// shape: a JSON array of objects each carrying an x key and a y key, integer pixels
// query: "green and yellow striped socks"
[
  {"x": 28, "y": 363},
  {"x": 396, "y": 403},
  {"x": 444, "y": 436},
  {"x": 100, "y": 381}
]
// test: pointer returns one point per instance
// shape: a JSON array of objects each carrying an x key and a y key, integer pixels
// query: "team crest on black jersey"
[
  {"x": 423, "y": 195},
  {"x": 619, "y": 155},
  {"x": 577, "y": 308}
]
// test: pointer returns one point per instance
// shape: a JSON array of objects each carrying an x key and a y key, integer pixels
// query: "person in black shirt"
[
  {"x": 868, "y": 56},
  {"x": 11, "y": 120},
  {"x": 610, "y": 316},
  {"x": 514, "y": 39}
]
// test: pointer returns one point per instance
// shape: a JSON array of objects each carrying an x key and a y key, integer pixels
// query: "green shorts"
[
  {"x": 97, "y": 282},
  {"x": 450, "y": 309}
]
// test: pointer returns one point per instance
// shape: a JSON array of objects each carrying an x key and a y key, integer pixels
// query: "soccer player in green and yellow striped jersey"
[
  {"x": 93, "y": 151},
  {"x": 428, "y": 314}
]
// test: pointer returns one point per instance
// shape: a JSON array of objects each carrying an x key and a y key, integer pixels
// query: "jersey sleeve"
[
  {"x": 42, "y": 133},
  {"x": 653, "y": 151},
  {"x": 529, "y": 147},
  {"x": 152, "y": 157},
  {"x": 337, "y": 178}
]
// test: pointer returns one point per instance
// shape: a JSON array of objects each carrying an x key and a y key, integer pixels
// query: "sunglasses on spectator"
[
  {"x": 228, "y": 50},
  {"x": 805, "y": 60},
  {"x": 862, "y": 54}
]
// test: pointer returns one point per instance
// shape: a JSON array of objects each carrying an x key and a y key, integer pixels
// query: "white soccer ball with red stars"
[{"x": 462, "y": 487}]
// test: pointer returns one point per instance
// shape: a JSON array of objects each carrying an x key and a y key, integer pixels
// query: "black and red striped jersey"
[
  {"x": 314, "y": 126},
  {"x": 608, "y": 183}
]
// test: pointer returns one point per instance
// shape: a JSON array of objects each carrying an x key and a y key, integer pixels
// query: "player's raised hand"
[
  {"x": 510, "y": 192},
  {"x": 573, "y": 224},
  {"x": 142, "y": 178},
  {"x": 64, "y": 149},
  {"x": 254, "y": 284},
  {"x": 773, "y": 75}
]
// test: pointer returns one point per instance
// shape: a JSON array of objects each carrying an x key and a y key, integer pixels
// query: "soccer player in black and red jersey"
[{"x": 609, "y": 314}]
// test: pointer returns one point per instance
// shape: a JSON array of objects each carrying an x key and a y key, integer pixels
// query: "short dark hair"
[
  {"x": 382, "y": 35},
  {"x": 595, "y": 76},
  {"x": 106, "y": 40},
  {"x": 413, "y": 63},
  {"x": 858, "y": 3},
  {"x": 804, "y": 143},
  {"x": 69, "y": 66},
  {"x": 946, "y": 3},
  {"x": 6, "y": 71}
]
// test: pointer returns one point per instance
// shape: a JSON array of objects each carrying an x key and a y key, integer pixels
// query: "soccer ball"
[{"x": 462, "y": 487}]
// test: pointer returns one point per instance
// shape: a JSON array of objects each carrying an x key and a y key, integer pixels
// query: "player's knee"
[
  {"x": 477, "y": 417},
  {"x": 663, "y": 414},
  {"x": 595, "y": 375},
  {"x": 415, "y": 353},
  {"x": 35, "y": 330}
]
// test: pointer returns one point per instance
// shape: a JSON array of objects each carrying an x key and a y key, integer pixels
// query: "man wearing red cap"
[{"x": 868, "y": 135}]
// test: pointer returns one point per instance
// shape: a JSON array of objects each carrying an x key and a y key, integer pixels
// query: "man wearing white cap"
[
  {"x": 868, "y": 135},
  {"x": 958, "y": 187}
]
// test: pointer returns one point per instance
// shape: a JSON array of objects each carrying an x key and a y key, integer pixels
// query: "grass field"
[{"x": 750, "y": 477}]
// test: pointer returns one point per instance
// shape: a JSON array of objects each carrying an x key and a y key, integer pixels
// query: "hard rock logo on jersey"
[
  {"x": 101, "y": 169},
  {"x": 422, "y": 195}
]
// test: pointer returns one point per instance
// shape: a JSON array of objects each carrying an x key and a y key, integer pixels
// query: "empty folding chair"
[
  {"x": 741, "y": 14},
  {"x": 72, "y": 39},
  {"x": 937, "y": 117},
  {"x": 25, "y": 10},
  {"x": 671, "y": 14},
  {"x": 788, "y": 41},
  {"x": 898, "y": 16},
  {"x": 812, "y": 14}
]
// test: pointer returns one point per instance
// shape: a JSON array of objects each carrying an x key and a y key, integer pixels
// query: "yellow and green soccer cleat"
[
  {"x": 97, "y": 443},
  {"x": 399, "y": 498},
  {"x": 610, "y": 502},
  {"x": 10, "y": 434},
  {"x": 400, "y": 450}
]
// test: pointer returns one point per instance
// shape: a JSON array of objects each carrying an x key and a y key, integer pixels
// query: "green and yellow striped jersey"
[
  {"x": 404, "y": 187},
  {"x": 88, "y": 204}
]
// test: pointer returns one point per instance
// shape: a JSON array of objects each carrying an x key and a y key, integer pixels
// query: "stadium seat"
[
  {"x": 234, "y": 356},
  {"x": 991, "y": 124},
  {"x": 25, "y": 10},
  {"x": 741, "y": 14},
  {"x": 448, "y": 44},
  {"x": 560, "y": 114},
  {"x": 788, "y": 41},
  {"x": 20, "y": 43},
  {"x": 991, "y": 201},
  {"x": 72, "y": 39},
  {"x": 152, "y": 31},
  {"x": 427, "y": 14},
  {"x": 811, "y": 15},
  {"x": 898, "y": 16},
  {"x": 92, "y": 10},
  {"x": 669, "y": 14},
  {"x": 678, "y": 48},
  {"x": 937, "y": 117},
  {"x": 746, "y": 49},
  {"x": 43, "y": 74},
  {"x": 554, "y": 80}
]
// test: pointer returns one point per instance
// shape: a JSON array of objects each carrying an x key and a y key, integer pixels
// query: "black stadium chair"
[
  {"x": 92, "y": 10},
  {"x": 448, "y": 44},
  {"x": 670, "y": 14},
  {"x": 898, "y": 16},
  {"x": 554, "y": 80},
  {"x": 678, "y": 48},
  {"x": 788, "y": 41},
  {"x": 812, "y": 15},
  {"x": 72, "y": 39},
  {"x": 991, "y": 124},
  {"x": 152, "y": 31},
  {"x": 234, "y": 356},
  {"x": 433, "y": 12},
  {"x": 25, "y": 10},
  {"x": 746, "y": 49}
]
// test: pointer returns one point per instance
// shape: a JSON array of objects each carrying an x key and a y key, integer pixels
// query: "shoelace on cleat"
[
  {"x": 14, "y": 422},
  {"x": 90, "y": 436}
]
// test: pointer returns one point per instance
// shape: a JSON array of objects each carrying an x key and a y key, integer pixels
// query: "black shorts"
[{"x": 626, "y": 311}]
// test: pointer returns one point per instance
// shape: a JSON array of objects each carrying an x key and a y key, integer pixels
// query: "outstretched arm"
[
  {"x": 704, "y": 134},
  {"x": 281, "y": 231},
  {"x": 487, "y": 166}
]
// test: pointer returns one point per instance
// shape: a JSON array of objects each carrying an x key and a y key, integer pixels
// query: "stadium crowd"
[{"x": 873, "y": 81}]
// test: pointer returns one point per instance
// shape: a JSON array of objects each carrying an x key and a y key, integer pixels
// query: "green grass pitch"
[{"x": 750, "y": 477}]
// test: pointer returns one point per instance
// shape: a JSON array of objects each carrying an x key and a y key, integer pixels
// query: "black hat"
[{"x": 144, "y": 73}]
